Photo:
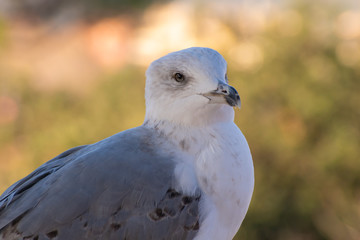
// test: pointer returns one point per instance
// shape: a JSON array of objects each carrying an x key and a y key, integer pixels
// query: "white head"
[{"x": 190, "y": 87}]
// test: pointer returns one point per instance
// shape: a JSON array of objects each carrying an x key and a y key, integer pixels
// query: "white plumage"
[{"x": 217, "y": 158}]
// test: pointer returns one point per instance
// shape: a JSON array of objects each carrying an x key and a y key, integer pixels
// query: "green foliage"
[{"x": 301, "y": 118}]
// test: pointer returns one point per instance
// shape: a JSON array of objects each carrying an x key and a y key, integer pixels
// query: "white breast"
[
  {"x": 225, "y": 173},
  {"x": 217, "y": 159}
]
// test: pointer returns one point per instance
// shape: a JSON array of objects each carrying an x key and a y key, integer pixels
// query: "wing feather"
[{"x": 118, "y": 188}]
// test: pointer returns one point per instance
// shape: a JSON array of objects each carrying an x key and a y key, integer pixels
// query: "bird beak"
[{"x": 224, "y": 94}]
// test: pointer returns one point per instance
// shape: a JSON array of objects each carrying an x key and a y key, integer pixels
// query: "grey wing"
[
  {"x": 44, "y": 170},
  {"x": 119, "y": 188}
]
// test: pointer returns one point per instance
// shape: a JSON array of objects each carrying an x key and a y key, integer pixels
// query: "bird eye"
[{"x": 179, "y": 77}]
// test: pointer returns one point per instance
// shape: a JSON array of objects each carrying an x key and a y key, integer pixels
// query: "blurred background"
[{"x": 72, "y": 73}]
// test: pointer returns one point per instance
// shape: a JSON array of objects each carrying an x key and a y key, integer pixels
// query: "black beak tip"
[{"x": 233, "y": 99}]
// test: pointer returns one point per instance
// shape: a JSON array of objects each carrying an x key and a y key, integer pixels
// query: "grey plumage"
[{"x": 119, "y": 188}]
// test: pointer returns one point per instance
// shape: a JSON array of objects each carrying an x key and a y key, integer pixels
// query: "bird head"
[{"x": 190, "y": 87}]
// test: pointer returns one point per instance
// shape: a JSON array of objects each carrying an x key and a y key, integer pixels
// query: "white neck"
[
  {"x": 223, "y": 169},
  {"x": 191, "y": 133},
  {"x": 204, "y": 117}
]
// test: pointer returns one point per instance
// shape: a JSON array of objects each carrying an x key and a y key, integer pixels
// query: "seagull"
[{"x": 185, "y": 173}]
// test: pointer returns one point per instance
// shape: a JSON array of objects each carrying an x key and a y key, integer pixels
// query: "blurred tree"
[
  {"x": 67, "y": 10},
  {"x": 306, "y": 135}
]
